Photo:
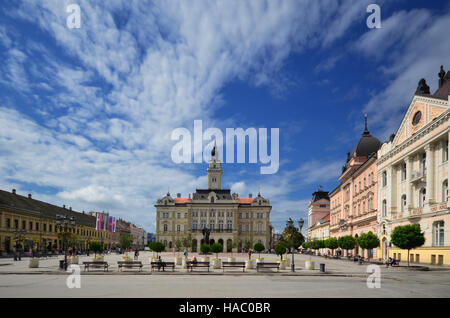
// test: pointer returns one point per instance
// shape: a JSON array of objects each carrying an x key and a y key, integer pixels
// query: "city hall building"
[
  {"x": 231, "y": 220},
  {"x": 413, "y": 170}
]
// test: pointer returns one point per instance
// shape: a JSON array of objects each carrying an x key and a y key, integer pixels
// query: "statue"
[
  {"x": 205, "y": 232},
  {"x": 289, "y": 222},
  {"x": 422, "y": 87}
]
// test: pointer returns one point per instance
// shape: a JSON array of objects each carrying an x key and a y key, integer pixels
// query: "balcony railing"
[
  {"x": 213, "y": 230},
  {"x": 418, "y": 175}
]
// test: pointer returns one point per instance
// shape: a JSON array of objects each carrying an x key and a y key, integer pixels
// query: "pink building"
[
  {"x": 353, "y": 204},
  {"x": 318, "y": 208}
]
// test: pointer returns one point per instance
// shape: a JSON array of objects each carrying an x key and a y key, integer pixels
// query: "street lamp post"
[
  {"x": 63, "y": 222},
  {"x": 300, "y": 224},
  {"x": 18, "y": 237}
]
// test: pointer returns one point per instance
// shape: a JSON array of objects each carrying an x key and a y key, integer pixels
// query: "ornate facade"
[
  {"x": 231, "y": 220},
  {"x": 318, "y": 209},
  {"x": 38, "y": 220},
  {"x": 413, "y": 168},
  {"x": 353, "y": 208}
]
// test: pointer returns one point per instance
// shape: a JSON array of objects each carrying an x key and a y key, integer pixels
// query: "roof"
[
  {"x": 366, "y": 145},
  {"x": 181, "y": 200},
  {"x": 16, "y": 201},
  {"x": 443, "y": 91},
  {"x": 245, "y": 200},
  {"x": 204, "y": 193},
  {"x": 326, "y": 218},
  {"x": 319, "y": 195}
]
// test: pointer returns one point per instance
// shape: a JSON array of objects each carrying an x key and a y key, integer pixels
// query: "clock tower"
[{"x": 214, "y": 170}]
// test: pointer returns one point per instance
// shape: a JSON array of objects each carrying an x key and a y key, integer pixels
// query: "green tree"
[
  {"x": 259, "y": 247},
  {"x": 204, "y": 248},
  {"x": 347, "y": 242},
  {"x": 186, "y": 241},
  {"x": 125, "y": 241},
  {"x": 247, "y": 244},
  {"x": 157, "y": 247},
  {"x": 217, "y": 248},
  {"x": 332, "y": 244},
  {"x": 368, "y": 241},
  {"x": 96, "y": 247},
  {"x": 407, "y": 237},
  {"x": 291, "y": 236},
  {"x": 280, "y": 249},
  {"x": 306, "y": 245},
  {"x": 178, "y": 245}
]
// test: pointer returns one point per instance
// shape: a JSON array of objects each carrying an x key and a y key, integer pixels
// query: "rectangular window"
[
  {"x": 37, "y": 226},
  {"x": 16, "y": 224},
  {"x": 8, "y": 223},
  {"x": 30, "y": 226},
  {"x": 45, "y": 227},
  {"x": 404, "y": 172},
  {"x": 384, "y": 178},
  {"x": 24, "y": 225}
]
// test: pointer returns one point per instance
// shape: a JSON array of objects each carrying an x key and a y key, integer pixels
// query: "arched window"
[
  {"x": 178, "y": 228},
  {"x": 212, "y": 199},
  {"x": 422, "y": 197},
  {"x": 229, "y": 225},
  {"x": 403, "y": 203},
  {"x": 384, "y": 208},
  {"x": 165, "y": 227},
  {"x": 445, "y": 191}
]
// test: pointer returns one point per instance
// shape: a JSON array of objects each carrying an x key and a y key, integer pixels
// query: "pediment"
[{"x": 421, "y": 111}]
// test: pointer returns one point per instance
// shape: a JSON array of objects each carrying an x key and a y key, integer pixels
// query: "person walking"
[{"x": 185, "y": 254}]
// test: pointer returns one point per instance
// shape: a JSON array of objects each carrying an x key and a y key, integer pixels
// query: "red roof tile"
[{"x": 245, "y": 200}]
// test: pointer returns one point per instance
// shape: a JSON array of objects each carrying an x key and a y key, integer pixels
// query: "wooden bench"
[
  {"x": 129, "y": 264},
  {"x": 163, "y": 265},
  {"x": 96, "y": 264},
  {"x": 267, "y": 265},
  {"x": 191, "y": 265},
  {"x": 233, "y": 264}
]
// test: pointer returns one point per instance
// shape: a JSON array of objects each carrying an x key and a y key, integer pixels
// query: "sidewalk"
[{"x": 334, "y": 267}]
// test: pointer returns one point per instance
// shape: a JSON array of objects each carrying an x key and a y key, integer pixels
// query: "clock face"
[{"x": 416, "y": 118}]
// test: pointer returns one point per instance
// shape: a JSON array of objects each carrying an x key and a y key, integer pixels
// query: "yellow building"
[
  {"x": 413, "y": 170},
  {"x": 231, "y": 220},
  {"x": 37, "y": 221}
]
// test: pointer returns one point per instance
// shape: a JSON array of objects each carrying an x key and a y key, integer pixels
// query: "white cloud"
[{"x": 103, "y": 132}]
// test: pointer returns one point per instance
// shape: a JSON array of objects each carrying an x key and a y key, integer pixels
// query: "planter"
[
  {"x": 34, "y": 263},
  {"x": 204, "y": 259},
  {"x": 309, "y": 265},
  {"x": 99, "y": 259},
  {"x": 183, "y": 262},
  {"x": 127, "y": 258},
  {"x": 216, "y": 263},
  {"x": 287, "y": 261},
  {"x": 231, "y": 259},
  {"x": 177, "y": 260},
  {"x": 260, "y": 260},
  {"x": 282, "y": 264},
  {"x": 250, "y": 264},
  {"x": 74, "y": 260}
]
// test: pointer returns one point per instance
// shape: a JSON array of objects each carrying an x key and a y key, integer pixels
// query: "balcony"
[
  {"x": 414, "y": 213},
  {"x": 213, "y": 230},
  {"x": 418, "y": 176}
]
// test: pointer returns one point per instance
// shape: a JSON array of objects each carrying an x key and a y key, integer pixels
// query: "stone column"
[
  {"x": 429, "y": 149},
  {"x": 409, "y": 189}
]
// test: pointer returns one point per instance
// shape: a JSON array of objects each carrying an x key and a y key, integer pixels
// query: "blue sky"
[{"x": 86, "y": 114}]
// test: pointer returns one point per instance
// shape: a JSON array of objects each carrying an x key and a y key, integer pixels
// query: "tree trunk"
[{"x": 408, "y": 258}]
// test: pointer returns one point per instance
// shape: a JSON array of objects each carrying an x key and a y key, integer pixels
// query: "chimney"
[
  {"x": 178, "y": 195},
  {"x": 29, "y": 195},
  {"x": 250, "y": 195},
  {"x": 14, "y": 191}
]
